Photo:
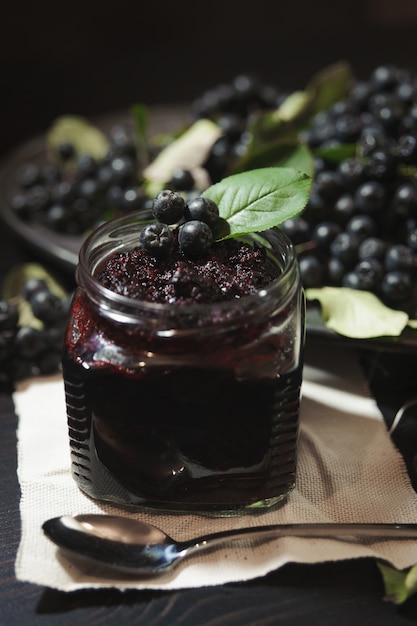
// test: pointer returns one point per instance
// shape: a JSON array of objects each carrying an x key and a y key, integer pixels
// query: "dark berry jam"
[
  {"x": 186, "y": 400},
  {"x": 232, "y": 269}
]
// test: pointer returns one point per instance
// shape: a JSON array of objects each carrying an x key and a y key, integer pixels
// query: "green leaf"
[
  {"x": 140, "y": 116},
  {"x": 357, "y": 314},
  {"x": 285, "y": 153},
  {"x": 189, "y": 151},
  {"x": 84, "y": 136},
  {"x": 399, "y": 584},
  {"x": 337, "y": 154},
  {"x": 260, "y": 199},
  {"x": 324, "y": 89},
  {"x": 293, "y": 106},
  {"x": 329, "y": 86}
]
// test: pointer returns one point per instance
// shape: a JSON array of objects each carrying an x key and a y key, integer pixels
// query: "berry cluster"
[
  {"x": 360, "y": 225},
  {"x": 231, "y": 106},
  {"x": 196, "y": 220},
  {"x": 31, "y": 348},
  {"x": 76, "y": 192}
]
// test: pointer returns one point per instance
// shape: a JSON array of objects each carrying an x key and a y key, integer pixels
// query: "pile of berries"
[
  {"x": 360, "y": 226},
  {"x": 196, "y": 220},
  {"x": 231, "y": 105},
  {"x": 31, "y": 348},
  {"x": 74, "y": 193},
  {"x": 359, "y": 229}
]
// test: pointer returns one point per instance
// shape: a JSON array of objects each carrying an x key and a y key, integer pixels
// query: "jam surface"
[{"x": 232, "y": 269}]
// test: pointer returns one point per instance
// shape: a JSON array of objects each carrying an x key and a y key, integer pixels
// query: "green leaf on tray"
[
  {"x": 329, "y": 86},
  {"x": 140, "y": 116},
  {"x": 357, "y": 314},
  {"x": 297, "y": 110},
  {"x": 337, "y": 154},
  {"x": 260, "y": 199},
  {"x": 284, "y": 153},
  {"x": 399, "y": 584},
  {"x": 84, "y": 136}
]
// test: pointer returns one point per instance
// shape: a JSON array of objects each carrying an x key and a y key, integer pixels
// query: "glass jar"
[{"x": 184, "y": 408}]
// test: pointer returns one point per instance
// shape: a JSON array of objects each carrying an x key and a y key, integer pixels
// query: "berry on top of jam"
[
  {"x": 183, "y": 264},
  {"x": 230, "y": 269}
]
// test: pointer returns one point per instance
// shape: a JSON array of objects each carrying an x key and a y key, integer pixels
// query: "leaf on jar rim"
[
  {"x": 357, "y": 314},
  {"x": 259, "y": 199}
]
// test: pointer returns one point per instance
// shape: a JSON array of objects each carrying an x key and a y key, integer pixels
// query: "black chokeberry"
[
  {"x": 9, "y": 315},
  {"x": 329, "y": 184},
  {"x": 181, "y": 180},
  {"x": 399, "y": 257},
  {"x": 370, "y": 197},
  {"x": 372, "y": 248},
  {"x": 311, "y": 271},
  {"x": 47, "y": 306},
  {"x": 66, "y": 151},
  {"x": 168, "y": 207},
  {"x": 203, "y": 210},
  {"x": 369, "y": 273},
  {"x": 345, "y": 247},
  {"x": 28, "y": 342},
  {"x": 324, "y": 233},
  {"x": 195, "y": 238},
  {"x": 396, "y": 287},
  {"x": 297, "y": 229},
  {"x": 344, "y": 209},
  {"x": 362, "y": 226},
  {"x": 157, "y": 239},
  {"x": 407, "y": 149},
  {"x": 404, "y": 201}
]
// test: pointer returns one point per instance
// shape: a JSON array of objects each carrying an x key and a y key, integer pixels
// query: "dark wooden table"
[{"x": 331, "y": 593}]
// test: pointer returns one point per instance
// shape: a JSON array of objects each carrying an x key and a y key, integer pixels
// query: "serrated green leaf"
[
  {"x": 84, "y": 136},
  {"x": 357, "y": 314},
  {"x": 399, "y": 584},
  {"x": 260, "y": 199}
]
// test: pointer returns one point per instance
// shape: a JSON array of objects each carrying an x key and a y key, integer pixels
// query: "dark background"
[{"x": 89, "y": 58}]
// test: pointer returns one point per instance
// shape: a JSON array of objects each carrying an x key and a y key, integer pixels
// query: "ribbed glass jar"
[{"x": 184, "y": 407}]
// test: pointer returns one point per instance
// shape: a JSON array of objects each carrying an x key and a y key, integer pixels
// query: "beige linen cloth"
[{"x": 348, "y": 471}]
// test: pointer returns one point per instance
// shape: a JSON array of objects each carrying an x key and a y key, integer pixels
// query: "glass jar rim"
[{"x": 111, "y": 237}]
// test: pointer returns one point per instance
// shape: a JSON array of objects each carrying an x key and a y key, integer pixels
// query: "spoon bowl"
[{"x": 135, "y": 547}]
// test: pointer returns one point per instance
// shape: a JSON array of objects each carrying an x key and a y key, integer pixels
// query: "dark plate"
[{"x": 62, "y": 250}]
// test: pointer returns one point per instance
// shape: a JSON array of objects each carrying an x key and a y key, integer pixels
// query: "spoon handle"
[{"x": 325, "y": 530}]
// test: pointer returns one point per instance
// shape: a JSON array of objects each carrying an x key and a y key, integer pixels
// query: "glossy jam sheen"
[{"x": 184, "y": 420}]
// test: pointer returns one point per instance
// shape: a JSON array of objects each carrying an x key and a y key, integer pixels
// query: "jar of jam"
[{"x": 188, "y": 403}]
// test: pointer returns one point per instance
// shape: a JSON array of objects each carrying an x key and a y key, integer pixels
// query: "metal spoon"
[{"x": 130, "y": 546}]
